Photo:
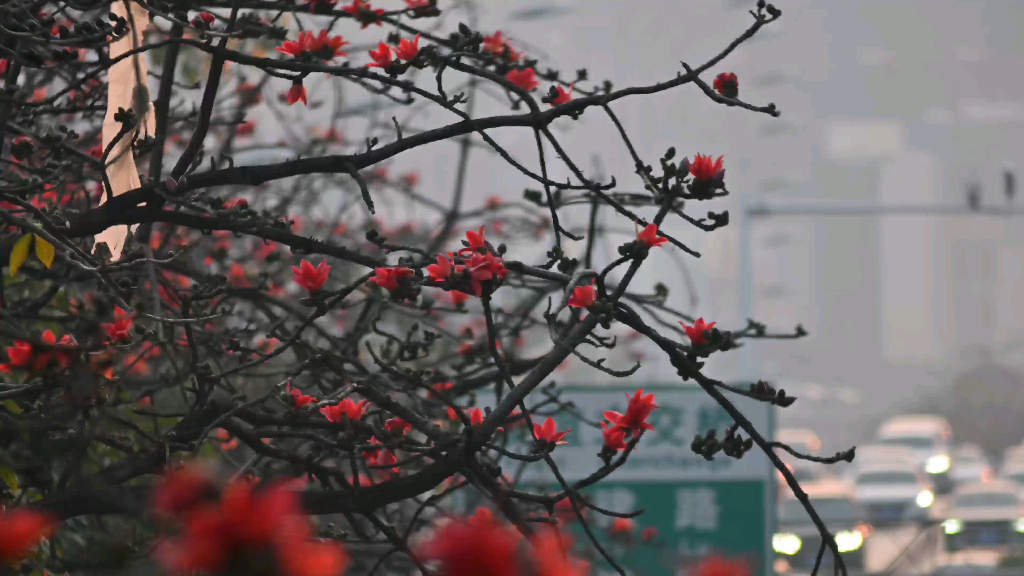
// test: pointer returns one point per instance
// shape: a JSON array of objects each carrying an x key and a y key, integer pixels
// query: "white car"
[
  {"x": 894, "y": 492},
  {"x": 1014, "y": 453},
  {"x": 970, "y": 464},
  {"x": 983, "y": 514},
  {"x": 797, "y": 540},
  {"x": 1013, "y": 470},
  {"x": 870, "y": 454},
  {"x": 930, "y": 439}
]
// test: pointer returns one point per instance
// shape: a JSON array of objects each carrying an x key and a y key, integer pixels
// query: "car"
[
  {"x": 894, "y": 492},
  {"x": 1014, "y": 453},
  {"x": 983, "y": 515},
  {"x": 804, "y": 472},
  {"x": 802, "y": 440},
  {"x": 868, "y": 454},
  {"x": 1013, "y": 470},
  {"x": 930, "y": 439},
  {"x": 970, "y": 464},
  {"x": 797, "y": 540}
]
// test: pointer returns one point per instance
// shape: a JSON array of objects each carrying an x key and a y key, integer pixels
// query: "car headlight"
[
  {"x": 937, "y": 464},
  {"x": 924, "y": 498},
  {"x": 848, "y": 540},
  {"x": 1019, "y": 525},
  {"x": 953, "y": 526},
  {"x": 788, "y": 544}
]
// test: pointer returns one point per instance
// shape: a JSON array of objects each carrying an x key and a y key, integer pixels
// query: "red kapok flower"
[
  {"x": 496, "y": 44},
  {"x": 583, "y": 296},
  {"x": 364, "y": 13},
  {"x": 720, "y": 566},
  {"x": 249, "y": 522},
  {"x": 383, "y": 57},
  {"x": 21, "y": 529},
  {"x": 474, "y": 241},
  {"x": 637, "y": 412},
  {"x": 525, "y": 79},
  {"x": 562, "y": 95},
  {"x": 237, "y": 277},
  {"x": 622, "y": 526},
  {"x": 649, "y": 236},
  {"x": 442, "y": 270},
  {"x": 549, "y": 432},
  {"x": 297, "y": 48},
  {"x": 347, "y": 408},
  {"x": 704, "y": 169},
  {"x": 206, "y": 18},
  {"x": 417, "y": 3},
  {"x": 696, "y": 332},
  {"x": 649, "y": 534},
  {"x": 297, "y": 92},
  {"x": 298, "y": 397},
  {"x": 20, "y": 355},
  {"x": 389, "y": 278},
  {"x": 311, "y": 278},
  {"x": 470, "y": 547},
  {"x": 408, "y": 49},
  {"x": 614, "y": 438},
  {"x": 551, "y": 554},
  {"x": 397, "y": 426},
  {"x": 121, "y": 329},
  {"x": 727, "y": 84}
]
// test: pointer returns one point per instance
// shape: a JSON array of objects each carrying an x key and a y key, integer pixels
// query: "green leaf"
[
  {"x": 9, "y": 477},
  {"x": 19, "y": 253},
  {"x": 11, "y": 406},
  {"x": 45, "y": 252}
]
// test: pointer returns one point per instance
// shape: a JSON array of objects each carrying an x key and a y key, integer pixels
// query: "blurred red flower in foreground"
[
  {"x": 21, "y": 529},
  {"x": 235, "y": 531},
  {"x": 720, "y": 566}
]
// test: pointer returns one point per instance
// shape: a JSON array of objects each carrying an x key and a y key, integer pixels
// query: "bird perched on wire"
[{"x": 974, "y": 197}]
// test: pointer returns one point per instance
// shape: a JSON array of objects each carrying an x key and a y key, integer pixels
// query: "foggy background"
[{"x": 898, "y": 101}]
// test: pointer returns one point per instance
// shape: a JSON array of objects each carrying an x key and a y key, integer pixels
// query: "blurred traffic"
[{"x": 912, "y": 501}]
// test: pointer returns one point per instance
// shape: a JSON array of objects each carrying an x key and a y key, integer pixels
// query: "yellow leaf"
[
  {"x": 45, "y": 252},
  {"x": 20, "y": 253},
  {"x": 9, "y": 477},
  {"x": 12, "y": 406}
]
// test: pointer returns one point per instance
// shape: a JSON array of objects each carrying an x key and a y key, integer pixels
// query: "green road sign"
[{"x": 696, "y": 506}]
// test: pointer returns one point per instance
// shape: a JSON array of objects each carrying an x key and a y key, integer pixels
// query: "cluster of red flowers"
[
  {"x": 121, "y": 329},
  {"x": 225, "y": 530},
  {"x": 471, "y": 266},
  {"x": 634, "y": 421},
  {"x": 481, "y": 544},
  {"x": 384, "y": 56},
  {"x": 24, "y": 356},
  {"x": 697, "y": 332},
  {"x": 347, "y": 408}
]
